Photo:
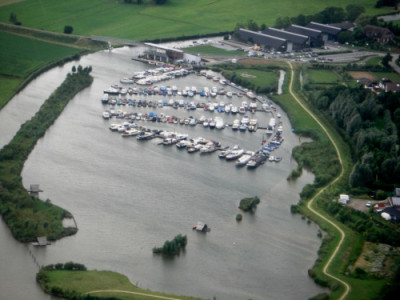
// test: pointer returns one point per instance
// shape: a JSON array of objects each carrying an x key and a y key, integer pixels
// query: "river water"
[{"x": 129, "y": 196}]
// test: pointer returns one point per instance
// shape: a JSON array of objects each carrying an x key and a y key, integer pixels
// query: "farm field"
[
  {"x": 175, "y": 19},
  {"x": 20, "y": 56},
  {"x": 23, "y": 55}
]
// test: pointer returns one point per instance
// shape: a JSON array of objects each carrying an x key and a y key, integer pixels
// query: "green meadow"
[
  {"x": 21, "y": 56},
  {"x": 82, "y": 282},
  {"x": 175, "y": 19}
]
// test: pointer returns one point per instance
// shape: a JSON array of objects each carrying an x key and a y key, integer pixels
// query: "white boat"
[
  {"x": 235, "y": 154},
  {"x": 252, "y": 125},
  {"x": 235, "y": 124},
  {"x": 219, "y": 123},
  {"x": 244, "y": 159},
  {"x": 229, "y": 94},
  {"x": 226, "y": 151},
  {"x": 250, "y": 95},
  {"x": 169, "y": 141},
  {"x": 106, "y": 115},
  {"x": 234, "y": 110},
  {"x": 245, "y": 120},
  {"x": 105, "y": 98},
  {"x": 130, "y": 132},
  {"x": 127, "y": 80}
]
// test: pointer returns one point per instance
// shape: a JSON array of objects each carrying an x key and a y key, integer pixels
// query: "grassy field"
[
  {"x": 323, "y": 76},
  {"x": 391, "y": 75},
  {"x": 207, "y": 49},
  {"x": 19, "y": 56},
  {"x": 177, "y": 18},
  {"x": 374, "y": 61},
  {"x": 83, "y": 282}
]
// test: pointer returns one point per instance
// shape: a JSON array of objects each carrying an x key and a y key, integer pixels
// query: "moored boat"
[{"x": 244, "y": 159}]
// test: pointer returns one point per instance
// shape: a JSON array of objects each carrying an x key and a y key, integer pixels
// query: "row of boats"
[
  {"x": 213, "y": 91},
  {"x": 251, "y": 159},
  {"x": 210, "y": 106},
  {"x": 243, "y": 124}
]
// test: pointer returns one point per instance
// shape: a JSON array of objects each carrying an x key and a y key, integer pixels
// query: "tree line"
[{"x": 371, "y": 124}]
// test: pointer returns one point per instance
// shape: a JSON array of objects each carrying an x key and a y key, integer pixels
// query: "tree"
[
  {"x": 68, "y": 29},
  {"x": 282, "y": 22},
  {"x": 354, "y": 11},
  {"x": 160, "y": 2},
  {"x": 386, "y": 59},
  {"x": 252, "y": 25},
  {"x": 345, "y": 37}
]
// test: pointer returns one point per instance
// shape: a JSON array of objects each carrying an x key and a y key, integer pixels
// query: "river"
[{"x": 129, "y": 196}]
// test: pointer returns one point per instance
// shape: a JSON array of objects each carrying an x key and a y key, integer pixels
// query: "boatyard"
[{"x": 138, "y": 105}]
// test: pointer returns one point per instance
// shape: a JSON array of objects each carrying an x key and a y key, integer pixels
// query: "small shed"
[
  {"x": 344, "y": 199},
  {"x": 41, "y": 241},
  {"x": 34, "y": 190}
]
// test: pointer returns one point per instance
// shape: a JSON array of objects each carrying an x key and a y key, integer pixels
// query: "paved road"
[
  {"x": 311, "y": 202},
  {"x": 393, "y": 64}
]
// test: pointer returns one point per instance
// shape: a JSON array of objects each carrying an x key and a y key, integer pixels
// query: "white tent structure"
[{"x": 386, "y": 216}]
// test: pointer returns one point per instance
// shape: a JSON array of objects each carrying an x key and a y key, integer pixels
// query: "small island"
[
  {"x": 172, "y": 247},
  {"x": 249, "y": 204}
]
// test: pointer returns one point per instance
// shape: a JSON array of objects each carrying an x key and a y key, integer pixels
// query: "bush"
[
  {"x": 68, "y": 29},
  {"x": 239, "y": 217},
  {"x": 249, "y": 204}
]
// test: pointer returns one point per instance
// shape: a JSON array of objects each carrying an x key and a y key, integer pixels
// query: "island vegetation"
[
  {"x": 27, "y": 216},
  {"x": 172, "y": 247},
  {"x": 249, "y": 204}
]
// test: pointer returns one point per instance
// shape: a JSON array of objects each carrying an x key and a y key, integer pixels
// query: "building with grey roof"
[
  {"x": 329, "y": 32},
  {"x": 263, "y": 40},
  {"x": 314, "y": 35},
  {"x": 295, "y": 41}
]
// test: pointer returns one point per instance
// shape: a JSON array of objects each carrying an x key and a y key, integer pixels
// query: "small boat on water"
[
  {"x": 130, "y": 132},
  {"x": 127, "y": 80},
  {"x": 235, "y": 154},
  {"x": 201, "y": 227},
  {"x": 145, "y": 135},
  {"x": 256, "y": 161},
  {"x": 105, "y": 98},
  {"x": 244, "y": 159},
  {"x": 106, "y": 115},
  {"x": 226, "y": 151}
]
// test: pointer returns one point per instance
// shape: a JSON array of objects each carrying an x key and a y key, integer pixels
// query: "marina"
[{"x": 168, "y": 105}]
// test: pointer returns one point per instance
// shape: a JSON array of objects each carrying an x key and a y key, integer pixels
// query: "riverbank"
[{"x": 27, "y": 216}]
